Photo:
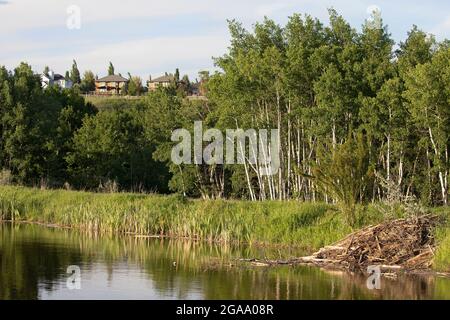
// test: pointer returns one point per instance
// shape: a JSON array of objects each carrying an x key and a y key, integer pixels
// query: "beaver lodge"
[{"x": 403, "y": 244}]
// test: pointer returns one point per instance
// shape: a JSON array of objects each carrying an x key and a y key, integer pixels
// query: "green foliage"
[
  {"x": 111, "y": 147},
  {"x": 110, "y": 69},
  {"x": 88, "y": 83},
  {"x": 135, "y": 87},
  {"x": 344, "y": 173},
  {"x": 442, "y": 258},
  {"x": 37, "y": 127},
  {"x": 75, "y": 74},
  {"x": 177, "y": 75},
  {"x": 319, "y": 85},
  {"x": 428, "y": 95}
]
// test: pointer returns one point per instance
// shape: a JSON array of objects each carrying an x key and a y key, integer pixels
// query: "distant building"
[
  {"x": 194, "y": 89},
  {"x": 163, "y": 81},
  {"x": 198, "y": 89},
  {"x": 54, "y": 79},
  {"x": 113, "y": 84}
]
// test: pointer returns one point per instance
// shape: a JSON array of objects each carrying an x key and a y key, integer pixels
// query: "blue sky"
[{"x": 151, "y": 37}]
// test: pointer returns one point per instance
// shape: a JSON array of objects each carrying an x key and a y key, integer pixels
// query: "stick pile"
[{"x": 403, "y": 243}]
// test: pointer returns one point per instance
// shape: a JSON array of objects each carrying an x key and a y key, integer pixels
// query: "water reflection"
[{"x": 34, "y": 259}]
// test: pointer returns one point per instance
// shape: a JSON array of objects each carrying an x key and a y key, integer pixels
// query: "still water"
[{"x": 34, "y": 261}]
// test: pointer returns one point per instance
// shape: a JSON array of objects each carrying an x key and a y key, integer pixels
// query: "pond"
[{"x": 37, "y": 262}]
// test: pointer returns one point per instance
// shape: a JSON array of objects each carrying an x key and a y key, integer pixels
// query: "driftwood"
[{"x": 403, "y": 244}]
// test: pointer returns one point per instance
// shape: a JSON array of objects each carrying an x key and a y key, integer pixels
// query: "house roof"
[
  {"x": 57, "y": 76},
  {"x": 167, "y": 78},
  {"x": 112, "y": 78}
]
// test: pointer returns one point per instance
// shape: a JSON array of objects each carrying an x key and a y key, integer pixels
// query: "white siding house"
[{"x": 55, "y": 79}]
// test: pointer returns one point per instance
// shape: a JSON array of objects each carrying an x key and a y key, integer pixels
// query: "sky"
[{"x": 148, "y": 37}]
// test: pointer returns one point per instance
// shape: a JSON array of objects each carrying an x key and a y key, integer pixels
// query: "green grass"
[
  {"x": 105, "y": 103},
  {"x": 273, "y": 222},
  {"x": 305, "y": 225},
  {"x": 442, "y": 255}
]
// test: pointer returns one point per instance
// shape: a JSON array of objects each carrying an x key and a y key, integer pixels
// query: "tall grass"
[
  {"x": 292, "y": 223},
  {"x": 442, "y": 256}
]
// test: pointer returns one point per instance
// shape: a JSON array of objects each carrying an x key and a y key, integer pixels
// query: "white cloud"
[
  {"x": 443, "y": 29},
  {"x": 26, "y": 14},
  {"x": 271, "y": 8}
]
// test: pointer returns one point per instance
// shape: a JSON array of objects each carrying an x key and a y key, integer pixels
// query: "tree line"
[
  {"x": 339, "y": 96},
  {"x": 359, "y": 116}
]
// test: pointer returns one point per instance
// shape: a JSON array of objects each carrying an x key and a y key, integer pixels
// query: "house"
[
  {"x": 195, "y": 92},
  {"x": 194, "y": 89},
  {"x": 54, "y": 79},
  {"x": 112, "y": 84},
  {"x": 163, "y": 81}
]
